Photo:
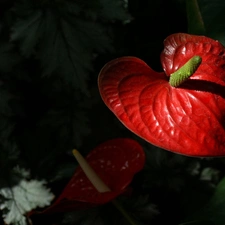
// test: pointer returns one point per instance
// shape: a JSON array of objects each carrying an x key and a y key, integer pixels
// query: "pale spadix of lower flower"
[{"x": 90, "y": 173}]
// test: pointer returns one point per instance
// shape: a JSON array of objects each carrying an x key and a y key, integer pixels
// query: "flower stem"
[
  {"x": 123, "y": 211},
  {"x": 194, "y": 18}
]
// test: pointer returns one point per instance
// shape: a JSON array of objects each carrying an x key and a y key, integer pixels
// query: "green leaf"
[
  {"x": 194, "y": 17},
  {"x": 214, "y": 210},
  {"x": 214, "y": 18},
  {"x": 28, "y": 30},
  {"x": 5, "y": 98},
  {"x": 8, "y": 57},
  {"x": 65, "y": 36},
  {"x": 216, "y": 207},
  {"x": 207, "y": 17},
  {"x": 67, "y": 120},
  {"x": 67, "y": 48},
  {"x": 114, "y": 10},
  {"x": 73, "y": 7},
  {"x": 202, "y": 222}
]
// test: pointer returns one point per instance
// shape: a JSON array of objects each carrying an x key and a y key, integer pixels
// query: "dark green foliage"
[
  {"x": 8, "y": 57},
  {"x": 64, "y": 36},
  {"x": 213, "y": 16},
  {"x": 214, "y": 209},
  {"x": 47, "y": 53}
]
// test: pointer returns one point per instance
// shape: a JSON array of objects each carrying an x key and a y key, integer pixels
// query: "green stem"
[
  {"x": 194, "y": 18},
  {"x": 184, "y": 72},
  {"x": 123, "y": 211}
]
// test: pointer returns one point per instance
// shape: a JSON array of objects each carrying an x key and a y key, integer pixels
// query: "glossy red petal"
[
  {"x": 189, "y": 120},
  {"x": 179, "y": 48},
  {"x": 116, "y": 162}
]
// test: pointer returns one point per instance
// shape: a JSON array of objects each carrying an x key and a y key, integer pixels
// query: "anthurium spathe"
[
  {"x": 115, "y": 161},
  {"x": 187, "y": 116}
]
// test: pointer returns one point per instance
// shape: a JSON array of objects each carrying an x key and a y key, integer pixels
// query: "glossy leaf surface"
[
  {"x": 116, "y": 162},
  {"x": 189, "y": 119}
]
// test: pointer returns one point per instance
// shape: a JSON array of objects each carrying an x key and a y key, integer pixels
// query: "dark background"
[{"x": 51, "y": 52}]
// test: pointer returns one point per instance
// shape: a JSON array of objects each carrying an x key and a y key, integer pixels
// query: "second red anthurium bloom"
[
  {"x": 181, "y": 109},
  {"x": 115, "y": 161}
]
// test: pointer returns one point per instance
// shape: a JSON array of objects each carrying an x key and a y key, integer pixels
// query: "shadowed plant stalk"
[{"x": 194, "y": 18}]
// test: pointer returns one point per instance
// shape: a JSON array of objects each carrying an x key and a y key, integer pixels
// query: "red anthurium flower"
[
  {"x": 115, "y": 162},
  {"x": 181, "y": 109}
]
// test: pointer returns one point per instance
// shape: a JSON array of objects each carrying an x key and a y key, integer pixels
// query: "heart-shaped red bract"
[
  {"x": 116, "y": 162},
  {"x": 189, "y": 119}
]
